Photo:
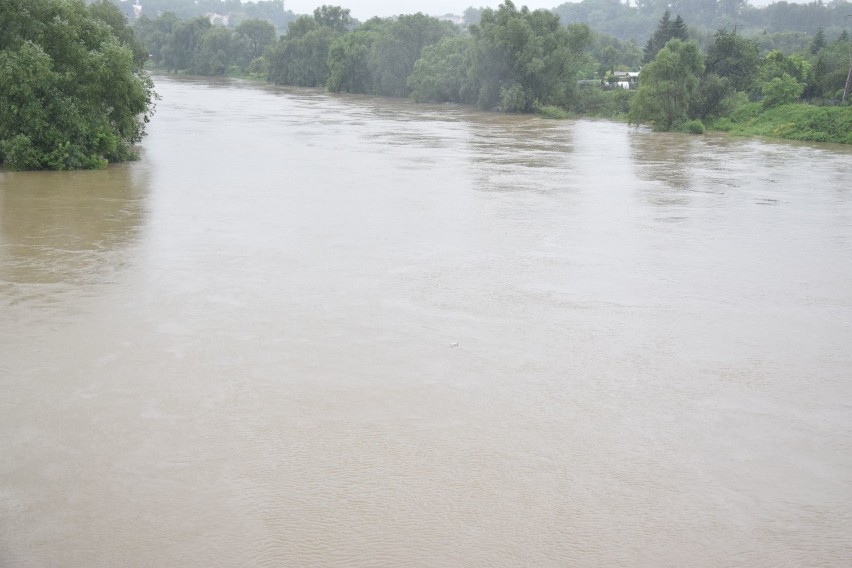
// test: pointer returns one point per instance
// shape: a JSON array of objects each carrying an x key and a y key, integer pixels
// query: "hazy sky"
[{"x": 364, "y": 9}]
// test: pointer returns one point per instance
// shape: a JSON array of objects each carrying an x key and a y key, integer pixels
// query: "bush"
[
  {"x": 18, "y": 153},
  {"x": 694, "y": 127},
  {"x": 781, "y": 91},
  {"x": 553, "y": 112},
  {"x": 513, "y": 99},
  {"x": 592, "y": 101}
]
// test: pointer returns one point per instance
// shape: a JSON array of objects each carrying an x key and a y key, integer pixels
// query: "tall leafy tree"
[
  {"x": 72, "y": 95},
  {"x": 256, "y": 35},
  {"x": 301, "y": 57},
  {"x": 667, "y": 84},
  {"x": 349, "y": 62},
  {"x": 666, "y": 30},
  {"x": 334, "y": 17},
  {"x": 442, "y": 73},
  {"x": 818, "y": 43},
  {"x": 733, "y": 57},
  {"x": 214, "y": 53},
  {"x": 184, "y": 41},
  {"x": 397, "y": 48},
  {"x": 522, "y": 59}
]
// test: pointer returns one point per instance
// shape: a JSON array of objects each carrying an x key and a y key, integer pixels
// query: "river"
[{"x": 318, "y": 330}]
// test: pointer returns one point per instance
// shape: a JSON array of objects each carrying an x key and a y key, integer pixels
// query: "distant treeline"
[
  {"x": 272, "y": 11},
  {"x": 520, "y": 60},
  {"x": 627, "y": 21}
]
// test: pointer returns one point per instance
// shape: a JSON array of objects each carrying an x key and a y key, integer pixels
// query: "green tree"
[
  {"x": 735, "y": 58},
  {"x": 301, "y": 57},
  {"x": 819, "y": 42},
  {"x": 523, "y": 59},
  {"x": 713, "y": 97},
  {"x": 71, "y": 94},
  {"x": 256, "y": 35},
  {"x": 272, "y": 11},
  {"x": 472, "y": 16},
  {"x": 349, "y": 62},
  {"x": 441, "y": 73},
  {"x": 334, "y": 17},
  {"x": 111, "y": 15},
  {"x": 183, "y": 42},
  {"x": 397, "y": 47},
  {"x": 155, "y": 34},
  {"x": 214, "y": 53},
  {"x": 781, "y": 91},
  {"x": 667, "y": 29},
  {"x": 667, "y": 84}
]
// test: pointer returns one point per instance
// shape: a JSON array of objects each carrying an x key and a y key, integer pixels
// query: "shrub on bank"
[
  {"x": 694, "y": 127},
  {"x": 554, "y": 112},
  {"x": 600, "y": 103},
  {"x": 791, "y": 121}
]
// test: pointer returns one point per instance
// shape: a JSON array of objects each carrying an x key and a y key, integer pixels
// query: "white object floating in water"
[{"x": 454, "y": 344}]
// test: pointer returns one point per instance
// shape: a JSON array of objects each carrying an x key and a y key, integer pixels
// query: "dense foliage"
[
  {"x": 667, "y": 84},
  {"x": 196, "y": 46},
  {"x": 676, "y": 88},
  {"x": 73, "y": 94},
  {"x": 781, "y": 25}
]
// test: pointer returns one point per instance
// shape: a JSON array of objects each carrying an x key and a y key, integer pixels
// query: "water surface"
[{"x": 311, "y": 330}]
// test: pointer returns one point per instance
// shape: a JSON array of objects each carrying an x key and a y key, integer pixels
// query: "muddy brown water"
[{"x": 315, "y": 330}]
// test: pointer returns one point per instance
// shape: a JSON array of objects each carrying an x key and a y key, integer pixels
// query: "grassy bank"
[{"x": 792, "y": 121}]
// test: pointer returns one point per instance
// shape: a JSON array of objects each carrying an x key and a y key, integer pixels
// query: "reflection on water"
[
  {"x": 60, "y": 230},
  {"x": 316, "y": 330}
]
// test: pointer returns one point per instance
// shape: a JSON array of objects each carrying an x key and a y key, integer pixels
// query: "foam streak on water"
[{"x": 308, "y": 330}]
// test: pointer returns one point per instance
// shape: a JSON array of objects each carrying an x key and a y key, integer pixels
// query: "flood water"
[{"x": 311, "y": 330}]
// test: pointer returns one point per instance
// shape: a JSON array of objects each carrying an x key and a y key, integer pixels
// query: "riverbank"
[{"x": 796, "y": 121}]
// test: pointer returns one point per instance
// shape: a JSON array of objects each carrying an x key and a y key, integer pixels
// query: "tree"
[
  {"x": 734, "y": 58},
  {"x": 713, "y": 97},
  {"x": 819, "y": 42},
  {"x": 781, "y": 91},
  {"x": 111, "y": 15},
  {"x": 522, "y": 59},
  {"x": 781, "y": 75},
  {"x": 214, "y": 53},
  {"x": 270, "y": 10},
  {"x": 184, "y": 41},
  {"x": 666, "y": 30},
  {"x": 71, "y": 94},
  {"x": 256, "y": 36},
  {"x": 348, "y": 63},
  {"x": 667, "y": 84},
  {"x": 472, "y": 16},
  {"x": 397, "y": 47},
  {"x": 301, "y": 57},
  {"x": 333, "y": 17},
  {"x": 441, "y": 73},
  {"x": 155, "y": 34}
]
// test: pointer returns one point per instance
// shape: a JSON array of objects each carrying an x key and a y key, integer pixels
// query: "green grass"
[
  {"x": 554, "y": 112},
  {"x": 792, "y": 121}
]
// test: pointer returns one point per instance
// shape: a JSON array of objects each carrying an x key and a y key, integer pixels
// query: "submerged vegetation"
[{"x": 72, "y": 72}]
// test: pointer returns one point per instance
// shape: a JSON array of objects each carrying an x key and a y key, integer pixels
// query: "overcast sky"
[{"x": 365, "y": 9}]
